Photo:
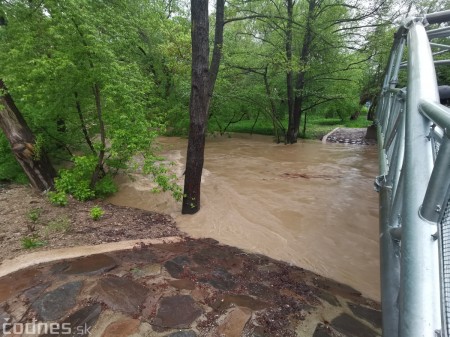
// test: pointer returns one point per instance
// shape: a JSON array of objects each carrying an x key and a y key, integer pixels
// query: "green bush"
[
  {"x": 76, "y": 181},
  {"x": 106, "y": 186},
  {"x": 96, "y": 213},
  {"x": 58, "y": 198}
]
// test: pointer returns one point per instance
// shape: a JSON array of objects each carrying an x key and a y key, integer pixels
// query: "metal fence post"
[{"x": 419, "y": 277}]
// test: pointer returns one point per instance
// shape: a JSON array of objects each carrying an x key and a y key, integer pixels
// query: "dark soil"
[{"x": 25, "y": 213}]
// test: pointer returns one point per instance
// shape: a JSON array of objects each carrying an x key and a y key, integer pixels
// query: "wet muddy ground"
[{"x": 191, "y": 288}]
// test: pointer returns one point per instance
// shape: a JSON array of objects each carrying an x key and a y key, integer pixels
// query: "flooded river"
[{"x": 310, "y": 204}]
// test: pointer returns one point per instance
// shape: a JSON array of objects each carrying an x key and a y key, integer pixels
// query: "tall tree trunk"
[
  {"x": 202, "y": 87},
  {"x": 198, "y": 106},
  {"x": 277, "y": 126},
  {"x": 83, "y": 125},
  {"x": 36, "y": 166},
  {"x": 99, "y": 170},
  {"x": 294, "y": 125},
  {"x": 290, "y": 73},
  {"x": 218, "y": 44}
]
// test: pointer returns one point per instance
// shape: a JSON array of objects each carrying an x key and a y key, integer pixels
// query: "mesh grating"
[{"x": 445, "y": 264}]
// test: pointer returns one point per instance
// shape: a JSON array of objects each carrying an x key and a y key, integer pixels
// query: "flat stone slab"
[
  {"x": 139, "y": 298},
  {"x": 222, "y": 280},
  {"x": 182, "y": 284},
  {"x": 324, "y": 331},
  {"x": 54, "y": 304},
  {"x": 13, "y": 284},
  {"x": 33, "y": 293},
  {"x": 261, "y": 291},
  {"x": 148, "y": 270},
  {"x": 120, "y": 294},
  {"x": 4, "y": 318},
  {"x": 369, "y": 315},
  {"x": 234, "y": 322},
  {"x": 328, "y": 297},
  {"x": 351, "y": 327},
  {"x": 224, "y": 302},
  {"x": 188, "y": 333},
  {"x": 89, "y": 265},
  {"x": 150, "y": 304},
  {"x": 214, "y": 255},
  {"x": 80, "y": 322},
  {"x": 175, "y": 267},
  {"x": 258, "y": 331},
  {"x": 177, "y": 312},
  {"x": 125, "y": 327},
  {"x": 338, "y": 288}
]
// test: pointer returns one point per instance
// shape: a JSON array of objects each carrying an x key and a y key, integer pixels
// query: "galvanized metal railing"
[{"x": 414, "y": 185}]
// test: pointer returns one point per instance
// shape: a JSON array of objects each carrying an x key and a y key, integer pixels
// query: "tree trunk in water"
[
  {"x": 294, "y": 123},
  {"x": 36, "y": 166},
  {"x": 277, "y": 127},
  {"x": 198, "y": 107}
]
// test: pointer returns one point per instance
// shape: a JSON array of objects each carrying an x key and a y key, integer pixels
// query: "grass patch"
[
  {"x": 326, "y": 121},
  {"x": 317, "y": 125},
  {"x": 34, "y": 214},
  {"x": 58, "y": 225},
  {"x": 32, "y": 242},
  {"x": 262, "y": 127},
  {"x": 361, "y": 122}
]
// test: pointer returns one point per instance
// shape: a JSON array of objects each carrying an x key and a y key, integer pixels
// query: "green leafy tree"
[{"x": 78, "y": 70}]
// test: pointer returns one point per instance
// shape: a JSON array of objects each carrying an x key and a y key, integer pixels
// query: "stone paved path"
[
  {"x": 187, "y": 289},
  {"x": 355, "y": 136}
]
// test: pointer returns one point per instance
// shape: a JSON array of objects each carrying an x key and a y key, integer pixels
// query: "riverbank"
[
  {"x": 185, "y": 287},
  {"x": 225, "y": 290}
]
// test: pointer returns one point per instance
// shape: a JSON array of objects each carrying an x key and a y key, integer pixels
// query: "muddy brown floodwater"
[{"x": 310, "y": 204}]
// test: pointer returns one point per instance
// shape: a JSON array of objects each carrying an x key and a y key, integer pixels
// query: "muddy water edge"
[{"x": 310, "y": 204}]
